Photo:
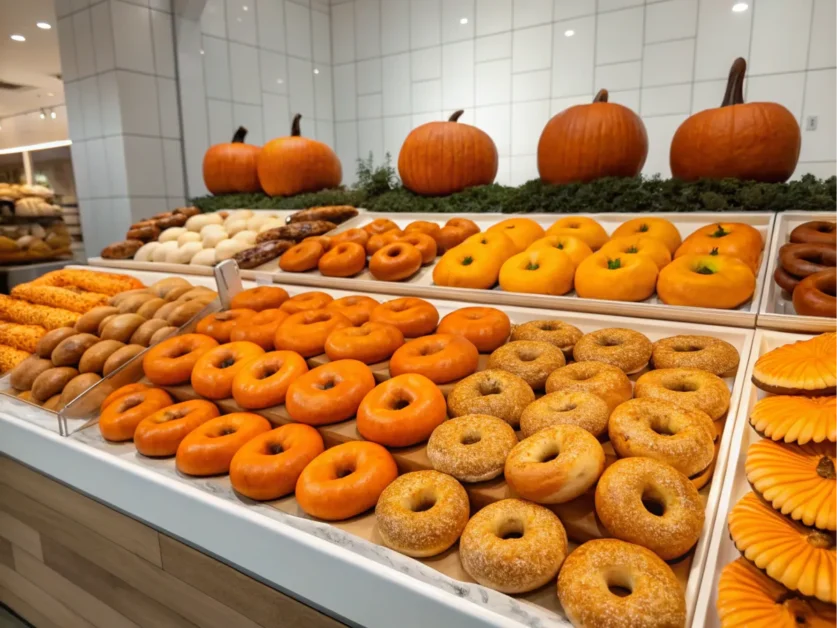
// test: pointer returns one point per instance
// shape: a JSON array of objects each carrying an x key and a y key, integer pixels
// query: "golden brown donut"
[
  {"x": 652, "y": 504},
  {"x": 689, "y": 388},
  {"x": 816, "y": 231},
  {"x": 814, "y": 296},
  {"x": 555, "y": 465},
  {"x": 603, "y": 380},
  {"x": 566, "y": 407},
  {"x": 531, "y": 534},
  {"x": 626, "y": 349},
  {"x": 562, "y": 335},
  {"x": 422, "y": 513},
  {"x": 492, "y": 392},
  {"x": 471, "y": 448},
  {"x": 531, "y": 360},
  {"x": 656, "y": 599},
  {"x": 699, "y": 352},
  {"x": 659, "y": 429}
]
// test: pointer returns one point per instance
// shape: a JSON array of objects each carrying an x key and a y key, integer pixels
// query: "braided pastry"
[
  {"x": 23, "y": 337},
  {"x": 90, "y": 280},
  {"x": 25, "y": 313},
  {"x": 63, "y": 298},
  {"x": 11, "y": 357}
]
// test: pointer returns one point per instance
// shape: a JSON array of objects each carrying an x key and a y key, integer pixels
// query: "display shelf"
[{"x": 776, "y": 309}]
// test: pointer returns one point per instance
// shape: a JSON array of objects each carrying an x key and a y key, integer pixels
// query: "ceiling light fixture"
[
  {"x": 17, "y": 37},
  {"x": 463, "y": 20},
  {"x": 316, "y": 71},
  {"x": 50, "y": 94},
  {"x": 740, "y": 7},
  {"x": 245, "y": 8},
  {"x": 43, "y": 114},
  {"x": 52, "y": 115},
  {"x": 44, "y": 25},
  {"x": 569, "y": 33}
]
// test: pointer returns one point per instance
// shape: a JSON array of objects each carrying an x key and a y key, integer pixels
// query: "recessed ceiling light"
[
  {"x": 244, "y": 7},
  {"x": 316, "y": 71},
  {"x": 43, "y": 115},
  {"x": 464, "y": 20},
  {"x": 17, "y": 37},
  {"x": 569, "y": 33},
  {"x": 740, "y": 7},
  {"x": 50, "y": 94},
  {"x": 52, "y": 115},
  {"x": 44, "y": 25},
  {"x": 201, "y": 51}
]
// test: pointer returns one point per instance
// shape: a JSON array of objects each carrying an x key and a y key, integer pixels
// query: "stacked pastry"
[{"x": 785, "y": 527}]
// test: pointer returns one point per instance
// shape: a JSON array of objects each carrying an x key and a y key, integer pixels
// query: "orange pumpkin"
[
  {"x": 587, "y": 142},
  {"x": 295, "y": 164},
  {"x": 441, "y": 158},
  {"x": 231, "y": 168},
  {"x": 757, "y": 141}
]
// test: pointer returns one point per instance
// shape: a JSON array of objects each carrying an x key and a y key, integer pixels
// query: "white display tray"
[
  {"x": 776, "y": 311},
  {"x": 741, "y": 339},
  {"x": 722, "y": 550}
]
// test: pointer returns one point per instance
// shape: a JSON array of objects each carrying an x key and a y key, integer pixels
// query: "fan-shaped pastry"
[
  {"x": 798, "y": 420},
  {"x": 798, "y": 480},
  {"x": 802, "y": 559},
  {"x": 807, "y": 367},
  {"x": 749, "y": 599}
]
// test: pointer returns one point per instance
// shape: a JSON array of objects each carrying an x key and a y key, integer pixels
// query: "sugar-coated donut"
[
  {"x": 306, "y": 332},
  {"x": 626, "y": 349},
  {"x": 306, "y": 301},
  {"x": 422, "y": 513},
  {"x": 171, "y": 361},
  {"x": 486, "y": 327},
  {"x": 209, "y": 448},
  {"x": 662, "y": 430},
  {"x": 690, "y": 388},
  {"x": 159, "y": 434},
  {"x": 555, "y": 465},
  {"x": 700, "y": 352},
  {"x": 414, "y": 317},
  {"x": 119, "y": 419},
  {"x": 215, "y": 370},
  {"x": 562, "y": 335},
  {"x": 442, "y": 358},
  {"x": 260, "y": 298},
  {"x": 329, "y": 393},
  {"x": 269, "y": 466},
  {"x": 492, "y": 392},
  {"x": 357, "y": 308},
  {"x": 629, "y": 484},
  {"x": 471, "y": 448},
  {"x": 814, "y": 296},
  {"x": 566, "y": 407},
  {"x": 531, "y": 360},
  {"x": 655, "y": 598},
  {"x": 513, "y": 546},
  {"x": 263, "y": 380},
  {"x": 345, "y": 480},
  {"x": 369, "y": 342},
  {"x": 260, "y": 328},
  {"x": 603, "y": 380}
]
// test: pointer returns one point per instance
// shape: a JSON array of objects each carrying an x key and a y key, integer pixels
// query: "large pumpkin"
[
  {"x": 230, "y": 168},
  {"x": 295, "y": 164},
  {"x": 758, "y": 141},
  {"x": 440, "y": 158},
  {"x": 587, "y": 142}
]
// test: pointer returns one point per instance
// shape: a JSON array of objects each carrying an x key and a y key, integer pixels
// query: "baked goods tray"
[
  {"x": 578, "y": 516},
  {"x": 421, "y": 284},
  {"x": 721, "y": 549},
  {"x": 776, "y": 309}
]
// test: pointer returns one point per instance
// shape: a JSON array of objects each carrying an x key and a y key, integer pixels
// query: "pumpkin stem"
[
  {"x": 735, "y": 84},
  {"x": 643, "y": 228},
  {"x": 825, "y": 468},
  {"x": 468, "y": 261},
  {"x": 720, "y": 232},
  {"x": 704, "y": 270},
  {"x": 454, "y": 117},
  {"x": 240, "y": 134},
  {"x": 631, "y": 249},
  {"x": 531, "y": 266},
  {"x": 601, "y": 96},
  {"x": 714, "y": 251},
  {"x": 295, "y": 132},
  {"x": 614, "y": 264}
]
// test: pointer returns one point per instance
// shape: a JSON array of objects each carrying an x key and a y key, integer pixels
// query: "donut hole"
[
  {"x": 399, "y": 403},
  {"x": 549, "y": 453},
  {"x": 394, "y": 251},
  {"x": 130, "y": 402},
  {"x": 317, "y": 317},
  {"x": 662, "y": 428},
  {"x": 681, "y": 386},
  {"x": 273, "y": 449},
  {"x": 422, "y": 501},
  {"x": 344, "y": 470},
  {"x": 328, "y": 384},
  {"x": 686, "y": 348},
  {"x": 828, "y": 288},
  {"x": 430, "y": 349},
  {"x": 549, "y": 326},
  {"x": 562, "y": 406},
  {"x": 470, "y": 438},
  {"x": 653, "y": 503},
  {"x": 226, "y": 362},
  {"x": 268, "y": 371},
  {"x": 173, "y": 415},
  {"x": 510, "y": 529},
  {"x": 489, "y": 388},
  {"x": 224, "y": 431},
  {"x": 608, "y": 341},
  {"x": 528, "y": 355},
  {"x": 618, "y": 585}
]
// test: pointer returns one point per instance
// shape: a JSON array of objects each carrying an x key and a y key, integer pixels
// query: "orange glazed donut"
[
  {"x": 160, "y": 433},
  {"x": 329, "y": 393},
  {"x": 324, "y": 241},
  {"x": 414, "y": 317},
  {"x": 171, "y": 361},
  {"x": 345, "y": 480},
  {"x": 120, "y": 419},
  {"x": 380, "y": 240},
  {"x": 268, "y": 466},
  {"x": 358, "y": 236},
  {"x": 260, "y": 328},
  {"x": 301, "y": 257},
  {"x": 306, "y": 301},
  {"x": 343, "y": 260},
  {"x": 209, "y": 448},
  {"x": 441, "y": 357},
  {"x": 425, "y": 244},
  {"x": 486, "y": 327},
  {"x": 401, "y": 411},
  {"x": 394, "y": 262},
  {"x": 213, "y": 374},
  {"x": 424, "y": 226},
  {"x": 263, "y": 380},
  {"x": 219, "y": 325},
  {"x": 370, "y": 343},
  {"x": 379, "y": 225},
  {"x": 259, "y": 298},
  {"x": 357, "y": 308},
  {"x": 306, "y": 331},
  {"x": 469, "y": 226},
  {"x": 121, "y": 392}
]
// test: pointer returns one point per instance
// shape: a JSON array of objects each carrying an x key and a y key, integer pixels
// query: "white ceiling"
[{"x": 31, "y": 63}]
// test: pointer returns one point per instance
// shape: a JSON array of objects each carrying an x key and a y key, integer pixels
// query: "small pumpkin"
[
  {"x": 231, "y": 168},
  {"x": 758, "y": 141},
  {"x": 587, "y": 142},
  {"x": 440, "y": 158},
  {"x": 295, "y": 164}
]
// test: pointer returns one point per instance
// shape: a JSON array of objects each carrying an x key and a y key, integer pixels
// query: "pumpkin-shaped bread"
[
  {"x": 802, "y": 559},
  {"x": 807, "y": 367},
  {"x": 797, "y": 480},
  {"x": 749, "y": 599},
  {"x": 798, "y": 420}
]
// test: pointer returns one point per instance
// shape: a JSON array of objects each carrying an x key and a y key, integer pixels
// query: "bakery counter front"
[{"x": 370, "y": 461}]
